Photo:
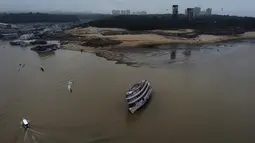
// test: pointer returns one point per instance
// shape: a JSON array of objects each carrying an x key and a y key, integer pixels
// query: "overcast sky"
[{"x": 232, "y": 7}]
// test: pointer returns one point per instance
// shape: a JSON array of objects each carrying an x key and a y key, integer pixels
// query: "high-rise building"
[
  {"x": 208, "y": 11},
  {"x": 175, "y": 11},
  {"x": 190, "y": 12},
  {"x": 203, "y": 12},
  {"x": 143, "y": 12},
  {"x": 196, "y": 11},
  {"x": 125, "y": 12},
  {"x": 128, "y": 12},
  {"x": 115, "y": 12}
]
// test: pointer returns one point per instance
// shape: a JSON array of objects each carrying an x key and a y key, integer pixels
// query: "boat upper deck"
[{"x": 136, "y": 89}]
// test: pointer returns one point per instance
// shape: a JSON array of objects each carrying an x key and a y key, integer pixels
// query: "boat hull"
[{"x": 141, "y": 102}]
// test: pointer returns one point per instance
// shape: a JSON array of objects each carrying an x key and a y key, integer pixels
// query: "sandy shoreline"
[
  {"x": 107, "y": 54},
  {"x": 133, "y": 40},
  {"x": 136, "y": 40}
]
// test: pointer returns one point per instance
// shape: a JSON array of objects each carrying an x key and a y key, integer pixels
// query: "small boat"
[
  {"x": 15, "y": 42},
  {"x": 22, "y": 43},
  {"x": 45, "y": 48},
  {"x": 138, "y": 95},
  {"x": 25, "y": 123}
]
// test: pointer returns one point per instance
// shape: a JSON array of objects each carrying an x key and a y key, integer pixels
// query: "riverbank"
[
  {"x": 106, "y": 42},
  {"x": 107, "y": 54},
  {"x": 153, "y": 37}
]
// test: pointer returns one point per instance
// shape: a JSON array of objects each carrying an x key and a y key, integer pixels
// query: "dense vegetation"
[
  {"x": 150, "y": 22},
  {"x": 94, "y": 16},
  {"x": 36, "y": 17}
]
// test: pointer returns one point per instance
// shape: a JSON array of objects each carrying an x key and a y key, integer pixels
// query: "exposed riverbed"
[{"x": 207, "y": 96}]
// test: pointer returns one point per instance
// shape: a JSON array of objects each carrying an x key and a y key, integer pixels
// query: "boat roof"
[
  {"x": 135, "y": 89},
  {"x": 25, "y": 121},
  {"x": 137, "y": 85}
]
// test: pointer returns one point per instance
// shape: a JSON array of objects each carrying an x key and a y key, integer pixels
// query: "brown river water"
[{"x": 206, "y": 97}]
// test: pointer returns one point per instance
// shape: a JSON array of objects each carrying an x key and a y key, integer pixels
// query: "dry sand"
[
  {"x": 132, "y": 40},
  {"x": 154, "y": 39}
]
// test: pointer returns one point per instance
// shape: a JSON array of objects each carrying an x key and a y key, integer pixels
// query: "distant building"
[
  {"x": 196, "y": 11},
  {"x": 208, "y": 11},
  {"x": 190, "y": 12},
  {"x": 115, "y": 12},
  {"x": 175, "y": 11},
  {"x": 203, "y": 12},
  {"x": 128, "y": 12},
  {"x": 143, "y": 13},
  {"x": 140, "y": 13},
  {"x": 125, "y": 12},
  {"x": 118, "y": 12},
  {"x": 121, "y": 12}
]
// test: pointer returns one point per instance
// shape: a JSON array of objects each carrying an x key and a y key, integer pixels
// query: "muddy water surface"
[{"x": 207, "y": 96}]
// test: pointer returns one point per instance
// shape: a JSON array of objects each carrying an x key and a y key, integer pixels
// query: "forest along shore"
[{"x": 105, "y": 42}]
